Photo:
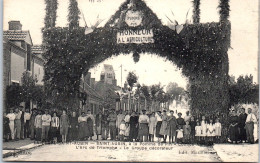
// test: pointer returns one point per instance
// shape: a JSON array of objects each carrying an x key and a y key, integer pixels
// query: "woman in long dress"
[
  {"x": 98, "y": 124},
  {"x": 163, "y": 130},
  {"x": 152, "y": 126},
  {"x": 73, "y": 127},
  {"x": 82, "y": 126},
  {"x": 133, "y": 127},
  {"x": 158, "y": 117},
  {"x": 233, "y": 128},
  {"x": 203, "y": 129},
  {"x": 90, "y": 125},
  {"x": 55, "y": 122},
  {"x": 171, "y": 127},
  {"x": 143, "y": 126},
  {"x": 64, "y": 126}
]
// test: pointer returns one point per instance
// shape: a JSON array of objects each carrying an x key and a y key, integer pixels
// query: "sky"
[{"x": 151, "y": 69}]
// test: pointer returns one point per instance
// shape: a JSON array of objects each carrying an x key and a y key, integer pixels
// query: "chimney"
[{"x": 15, "y": 25}]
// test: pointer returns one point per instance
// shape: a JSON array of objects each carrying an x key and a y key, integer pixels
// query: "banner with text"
[{"x": 135, "y": 36}]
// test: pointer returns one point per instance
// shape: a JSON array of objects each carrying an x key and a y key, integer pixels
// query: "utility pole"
[{"x": 121, "y": 91}]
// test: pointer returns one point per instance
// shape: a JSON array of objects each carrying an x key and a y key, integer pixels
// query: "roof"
[
  {"x": 108, "y": 67},
  {"x": 102, "y": 88},
  {"x": 18, "y": 35},
  {"x": 91, "y": 92},
  {"x": 37, "y": 50}
]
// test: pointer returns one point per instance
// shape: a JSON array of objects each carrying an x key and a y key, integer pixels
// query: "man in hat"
[
  {"x": 241, "y": 124},
  {"x": 250, "y": 120},
  {"x": 46, "y": 119},
  {"x": 112, "y": 124}
]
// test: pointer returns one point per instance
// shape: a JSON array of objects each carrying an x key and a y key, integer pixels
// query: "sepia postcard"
[{"x": 130, "y": 81}]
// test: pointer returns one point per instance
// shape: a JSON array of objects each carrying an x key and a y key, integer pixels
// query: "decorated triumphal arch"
[{"x": 200, "y": 50}]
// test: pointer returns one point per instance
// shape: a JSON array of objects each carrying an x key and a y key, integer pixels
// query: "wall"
[
  {"x": 38, "y": 71},
  {"x": 6, "y": 70},
  {"x": 17, "y": 64}
]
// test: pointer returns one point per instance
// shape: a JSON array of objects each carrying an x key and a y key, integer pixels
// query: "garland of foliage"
[
  {"x": 51, "y": 13},
  {"x": 73, "y": 17},
  {"x": 196, "y": 11},
  {"x": 224, "y": 10},
  {"x": 200, "y": 50}
]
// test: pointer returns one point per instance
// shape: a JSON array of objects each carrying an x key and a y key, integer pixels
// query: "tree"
[
  {"x": 26, "y": 92},
  {"x": 144, "y": 89},
  {"x": 131, "y": 79},
  {"x": 13, "y": 95},
  {"x": 28, "y": 87},
  {"x": 156, "y": 92},
  {"x": 243, "y": 90},
  {"x": 174, "y": 91}
]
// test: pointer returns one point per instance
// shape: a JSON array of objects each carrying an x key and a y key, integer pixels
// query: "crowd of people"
[{"x": 52, "y": 126}]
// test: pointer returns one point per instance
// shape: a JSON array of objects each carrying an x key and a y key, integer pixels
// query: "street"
[{"x": 117, "y": 151}]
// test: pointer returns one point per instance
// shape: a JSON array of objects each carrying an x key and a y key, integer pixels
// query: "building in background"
[
  {"x": 37, "y": 64},
  {"x": 17, "y": 45},
  {"x": 89, "y": 97},
  {"x": 17, "y": 55},
  {"x": 108, "y": 75}
]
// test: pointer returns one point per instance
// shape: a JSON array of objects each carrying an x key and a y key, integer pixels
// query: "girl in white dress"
[
  {"x": 210, "y": 131},
  {"x": 179, "y": 134},
  {"x": 218, "y": 130},
  {"x": 122, "y": 128},
  {"x": 203, "y": 128},
  {"x": 127, "y": 131},
  {"x": 197, "y": 132}
]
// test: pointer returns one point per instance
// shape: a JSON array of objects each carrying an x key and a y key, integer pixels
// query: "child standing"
[
  {"x": 203, "y": 129},
  {"x": 186, "y": 132},
  {"x": 122, "y": 128},
  {"x": 127, "y": 131},
  {"x": 210, "y": 131},
  {"x": 152, "y": 126},
  {"x": 217, "y": 130},
  {"x": 179, "y": 134},
  {"x": 198, "y": 132},
  {"x": 192, "y": 125}
]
